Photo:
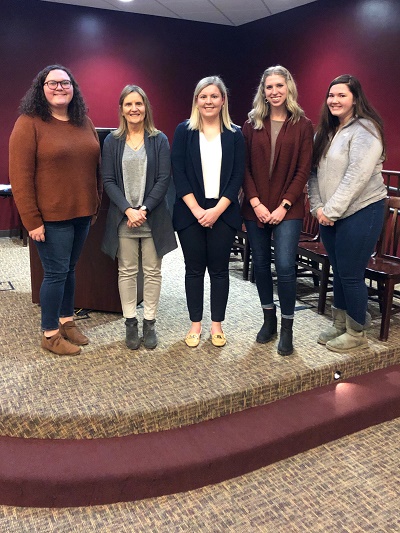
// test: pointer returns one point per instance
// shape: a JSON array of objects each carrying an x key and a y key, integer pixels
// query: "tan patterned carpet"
[
  {"x": 110, "y": 391},
  {"x": 351, "y": 485},
  {"x": 347, "y": 486}
]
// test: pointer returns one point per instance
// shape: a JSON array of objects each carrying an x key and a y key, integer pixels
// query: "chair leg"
[
  {"x": 315, "y": 278},
  {"x": 24, "y": 236},
  {"x": 246, "y": 259},
  {"x": 323, "y": 287},
  {"x": 386, "y": 310},
  {"x": 380, "y": 285},
  {"x": 252, "y": 274}
]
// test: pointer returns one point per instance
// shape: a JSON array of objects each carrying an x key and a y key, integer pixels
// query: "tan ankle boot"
[
  {"x": 354, "y": 337},
  {"x": 338, "y": 327},
  {"x": 60, "y": 346},
  {"x": 69, "y": 330}
]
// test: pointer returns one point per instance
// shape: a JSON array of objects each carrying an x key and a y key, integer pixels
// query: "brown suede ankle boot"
[
  {"x": 70, "y": 331},
  {"x": 60, "y": 346}
]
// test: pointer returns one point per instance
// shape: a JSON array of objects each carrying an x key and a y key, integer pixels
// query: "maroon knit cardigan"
[{"x": 290, "y": 170}]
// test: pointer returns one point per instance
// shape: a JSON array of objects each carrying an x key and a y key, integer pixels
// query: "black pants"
[{"x": 207, "y": 248}]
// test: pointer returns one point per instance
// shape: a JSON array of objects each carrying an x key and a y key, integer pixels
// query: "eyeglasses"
[{"x": 52, "y": 84}]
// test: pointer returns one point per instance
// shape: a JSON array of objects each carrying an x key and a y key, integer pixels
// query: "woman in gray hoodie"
[{"x": 347, "y": 194}]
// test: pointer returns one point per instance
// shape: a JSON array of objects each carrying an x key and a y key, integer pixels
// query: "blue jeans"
[
  {"x": 59, "y": 254},
  {"x": 350, "y": 243},
  {"x": 286, "y": 237}
]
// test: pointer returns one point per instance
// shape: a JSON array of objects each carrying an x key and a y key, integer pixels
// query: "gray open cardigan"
[{"x": 158, "y": 177}]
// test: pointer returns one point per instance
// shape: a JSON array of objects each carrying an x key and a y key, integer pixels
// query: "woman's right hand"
[
  {"x": 262, "y": 213},
  {"x": 38, "y": 234},
  {"x": 198, "y": 212},
  {"x": 136, "y": 217}
]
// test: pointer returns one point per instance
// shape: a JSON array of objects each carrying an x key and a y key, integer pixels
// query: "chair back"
[
  {"x": 388, "y": 243},
  {"x": 310, "y": 229},
  {"x": 391, "y": 179}
]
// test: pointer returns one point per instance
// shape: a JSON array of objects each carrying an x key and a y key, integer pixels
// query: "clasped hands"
[
  {"x": 322, "y": 219},
  {"x": 266, "y": 217},
  {"x": 136, "y": 217},
  {"x": 206, "y": 217}
]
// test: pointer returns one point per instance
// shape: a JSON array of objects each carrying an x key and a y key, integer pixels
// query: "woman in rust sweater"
[
  {"x": 54, "y": 159},
  {"x": 279, "y": 142}
]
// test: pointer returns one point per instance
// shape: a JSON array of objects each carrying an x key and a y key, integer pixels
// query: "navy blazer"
[{"x": 188, "y": 176}]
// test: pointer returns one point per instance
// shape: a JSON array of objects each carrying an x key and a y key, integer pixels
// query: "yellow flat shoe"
[
  {"x": 192, "y": 339},
  {"x": 218, "y": 339}
]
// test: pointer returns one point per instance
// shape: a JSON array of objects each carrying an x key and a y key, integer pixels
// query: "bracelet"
[{"x": 254, "y": 206}]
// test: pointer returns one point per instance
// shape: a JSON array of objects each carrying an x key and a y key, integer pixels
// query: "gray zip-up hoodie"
[{"x": 349, "y": 177}]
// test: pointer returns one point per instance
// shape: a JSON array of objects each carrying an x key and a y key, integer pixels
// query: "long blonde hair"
[
  {"x": 195, "y": 120},
  {"x": 261, "y": 107},
  {"x": 148, "y": 118}
]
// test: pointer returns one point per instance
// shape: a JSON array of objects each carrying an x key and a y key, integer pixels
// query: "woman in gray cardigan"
[
  {"x": 136, "y": 168},
  {"x": 347, "y": 197}
]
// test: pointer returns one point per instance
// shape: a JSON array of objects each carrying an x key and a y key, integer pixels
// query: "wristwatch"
[
  {"x": 144, "y": 208},
  {"x": 286, "y": 206}
]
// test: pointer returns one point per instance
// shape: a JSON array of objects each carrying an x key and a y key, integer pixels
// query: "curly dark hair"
[
  {"x": 35, "y": 104},
  {"x": 328, "y": 123}
]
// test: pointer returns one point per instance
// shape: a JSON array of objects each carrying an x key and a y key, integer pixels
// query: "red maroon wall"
[
  {"x": 108, "y": 49},
  {"x": 324, "y": 39},
  {"x": 105, "y": 50}
]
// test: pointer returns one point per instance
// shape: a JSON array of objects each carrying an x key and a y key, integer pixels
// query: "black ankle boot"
[
  {"x": 269, "y": 328},
  {"x": 149, "y": 334},
  {"x": 285, "y": 346},
  {"x": 132, "y": 336}
]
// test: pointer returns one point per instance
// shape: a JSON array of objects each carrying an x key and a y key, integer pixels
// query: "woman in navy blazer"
[{"x": 208, "y": 169}]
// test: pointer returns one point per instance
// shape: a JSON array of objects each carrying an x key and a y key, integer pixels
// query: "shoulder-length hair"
[
  {"x": 328, "y": 123},
  {"x": 195, "y": 120},
  {"x": 149, "y": 126},
  {"x": 261, "y": 108},
  {"x": 35, "y": 104}
]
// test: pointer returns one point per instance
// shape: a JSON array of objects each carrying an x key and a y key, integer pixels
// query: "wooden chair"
[
  {"x": 310, "y": 229},
  {"x": 312, "y": 257},
  {"x": 384, "y": 265},
  {"x": 241, "y": 245},
  {"x": 392, "y": 182},
  {"x": 6, "y": 192},
  {"x": 311, "y": 254}
]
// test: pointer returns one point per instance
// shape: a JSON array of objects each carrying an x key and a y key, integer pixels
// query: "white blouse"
[{"x": 211, "y": 160}]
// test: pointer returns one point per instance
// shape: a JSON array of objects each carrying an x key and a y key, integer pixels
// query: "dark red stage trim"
[{"x": 63, "y": 473}]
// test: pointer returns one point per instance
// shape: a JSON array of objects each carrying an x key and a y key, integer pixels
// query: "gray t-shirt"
[{"x": 134, "y": 168}]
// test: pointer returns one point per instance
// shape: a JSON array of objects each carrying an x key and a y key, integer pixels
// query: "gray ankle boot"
[
  {"x": 132, "y": 339},
  {"x": 149, "y": 334},
  {"x": 354, "y": 337},
  {"x": 338, "y": 327}
]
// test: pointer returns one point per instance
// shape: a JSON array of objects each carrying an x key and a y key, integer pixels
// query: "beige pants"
[{"x": 128, "y": 267}]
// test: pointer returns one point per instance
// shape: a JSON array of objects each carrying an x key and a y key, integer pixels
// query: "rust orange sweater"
[{"x": 54, "y": 170}]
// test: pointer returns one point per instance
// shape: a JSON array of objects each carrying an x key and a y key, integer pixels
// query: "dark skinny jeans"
[
  {"x": 59, "y": 254},
  {"x": 286, "y": 237},
  {"x": 350, "y": 243}
]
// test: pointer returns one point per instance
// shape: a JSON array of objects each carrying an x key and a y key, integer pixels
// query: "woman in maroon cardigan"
[{"x": 279, "y": 142}]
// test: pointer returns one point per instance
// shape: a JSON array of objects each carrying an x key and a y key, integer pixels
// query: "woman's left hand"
[
  {"x": 209, "y": 217},
  {"x": 322, "y": 219}
]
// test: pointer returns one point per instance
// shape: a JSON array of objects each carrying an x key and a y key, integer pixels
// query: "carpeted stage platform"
[{"x": 62, "y": 419}]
